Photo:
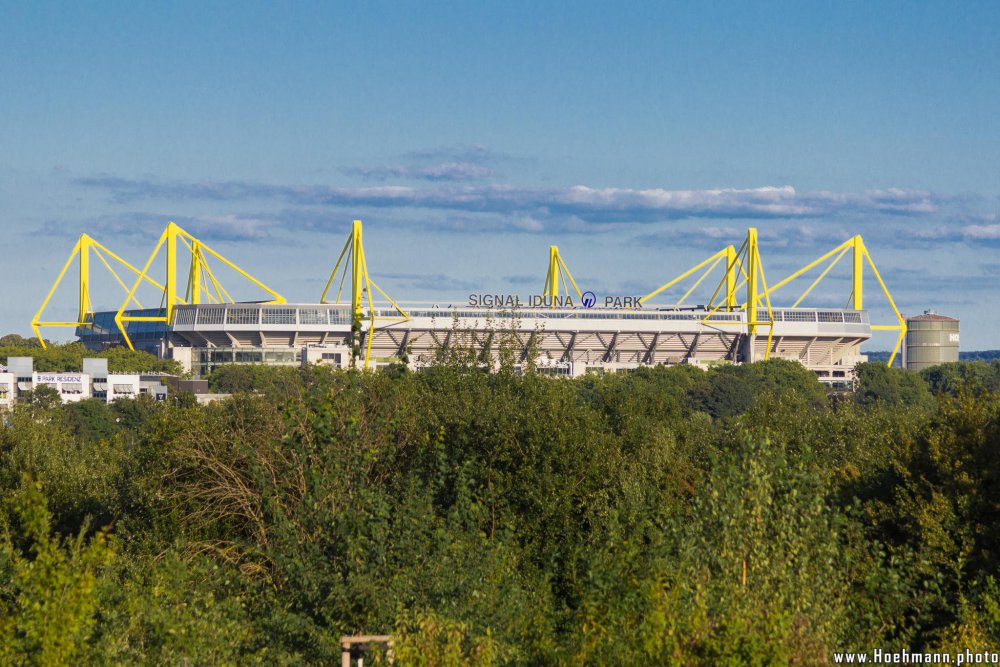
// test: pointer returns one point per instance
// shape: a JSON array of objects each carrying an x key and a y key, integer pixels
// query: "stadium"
[{"x": 560, "y": 330}]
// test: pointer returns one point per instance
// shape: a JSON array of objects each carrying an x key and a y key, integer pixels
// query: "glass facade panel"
[
  {"x": 210, "y": 314},
  {"x": 312, "y": 316},
  {"x": 103, "y": 332},
  {"x": 340, "y": 316},
  {"x": 184, "y": 316},
  {"x": 243, "y": 316},
  {"x": 279, "y": 316},
  {"x": 208, "y": 359}
]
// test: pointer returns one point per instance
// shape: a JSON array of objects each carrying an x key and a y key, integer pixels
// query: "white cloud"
[
  {"x": 577, "y": 206},
  {"x": 986, "y": 232}
]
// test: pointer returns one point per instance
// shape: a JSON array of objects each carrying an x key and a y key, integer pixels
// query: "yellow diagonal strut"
[
  {"x": 352, "y": 256},
  {"x": 733, "y": 269},
  {"x": 195, "y": 287},
  {"x": 85, "y": 245}
]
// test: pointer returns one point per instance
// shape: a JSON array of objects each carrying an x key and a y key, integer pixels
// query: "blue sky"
[{"x": 469, "y": 136}]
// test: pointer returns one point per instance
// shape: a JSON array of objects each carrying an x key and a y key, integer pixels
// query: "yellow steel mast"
[
  {"x": 745, "y": 263},
  {"x": 747, "y": 260},
  {"x": 860, "y": 257},
  {"x": 85, "y": 245},
  {"x": 196, "y": 287},
  {"x": 558, "y": 275},
  {"x": 353, "y": 254}
]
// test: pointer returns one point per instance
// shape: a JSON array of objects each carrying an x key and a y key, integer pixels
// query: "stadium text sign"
[{"x": 513, "y": 301}]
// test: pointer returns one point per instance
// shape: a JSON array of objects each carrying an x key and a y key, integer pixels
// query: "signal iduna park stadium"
[{"x": 560, "y": 331}]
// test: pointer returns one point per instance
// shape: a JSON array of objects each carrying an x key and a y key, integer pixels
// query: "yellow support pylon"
[
  {"x": 558, "y": 275},
  {"x": 748, "y": 262},
  {"x": 857, "y": 282},
  {"x": 859, "y": 257},
  {"x": 742, "y": 267},
  {"x": 756, "y": 281},
  {"x": 361, "y": 286},
  {"x": 85, "y": 245},
  {"x": 170, "y": 237}
]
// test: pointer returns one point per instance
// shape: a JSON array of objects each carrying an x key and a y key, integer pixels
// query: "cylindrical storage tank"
[{"x": 931, "y": 339}]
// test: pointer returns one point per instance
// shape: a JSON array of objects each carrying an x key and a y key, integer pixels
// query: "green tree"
[
  {"x": 891, "y": 386},
  {"x": 965, "y": 376},
  {"x": 42, "y": 398},
  {"x": 278, "y": 382},
  {"x": 48, "y": 596},
  {"x": 91, "y": 420},
  {"x": 69, "y": 357},
  {"x": 16, "y": 340}
]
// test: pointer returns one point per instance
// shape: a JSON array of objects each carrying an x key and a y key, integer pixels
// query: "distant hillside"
[
  {"x": 980, "y": 355},
  {"x": 974, "y": 355}
]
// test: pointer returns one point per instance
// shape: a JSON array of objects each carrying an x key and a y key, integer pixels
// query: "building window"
[
  {"x": 312, "y": 316},
  {"x": 243, "y": 316},
  {"x": 279, "y": 316},
  {"x": 184, "y": 316},
  {"x": 340, "y": 317},
  {"x": 210, "y": 314}
]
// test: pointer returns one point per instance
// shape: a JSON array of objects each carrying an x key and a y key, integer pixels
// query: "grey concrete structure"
[
  {"x": 560, "y": 341},
  {"x": 931, "y": 339}
]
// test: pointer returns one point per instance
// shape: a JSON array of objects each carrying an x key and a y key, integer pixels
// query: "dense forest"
[
  {"x": 665, "y": 516},
  {"x": 973, "y": 355},
  {"x": 979, "y": 355}
]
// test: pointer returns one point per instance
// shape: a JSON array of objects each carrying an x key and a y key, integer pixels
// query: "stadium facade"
[{"x": 561, "y": 331}]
